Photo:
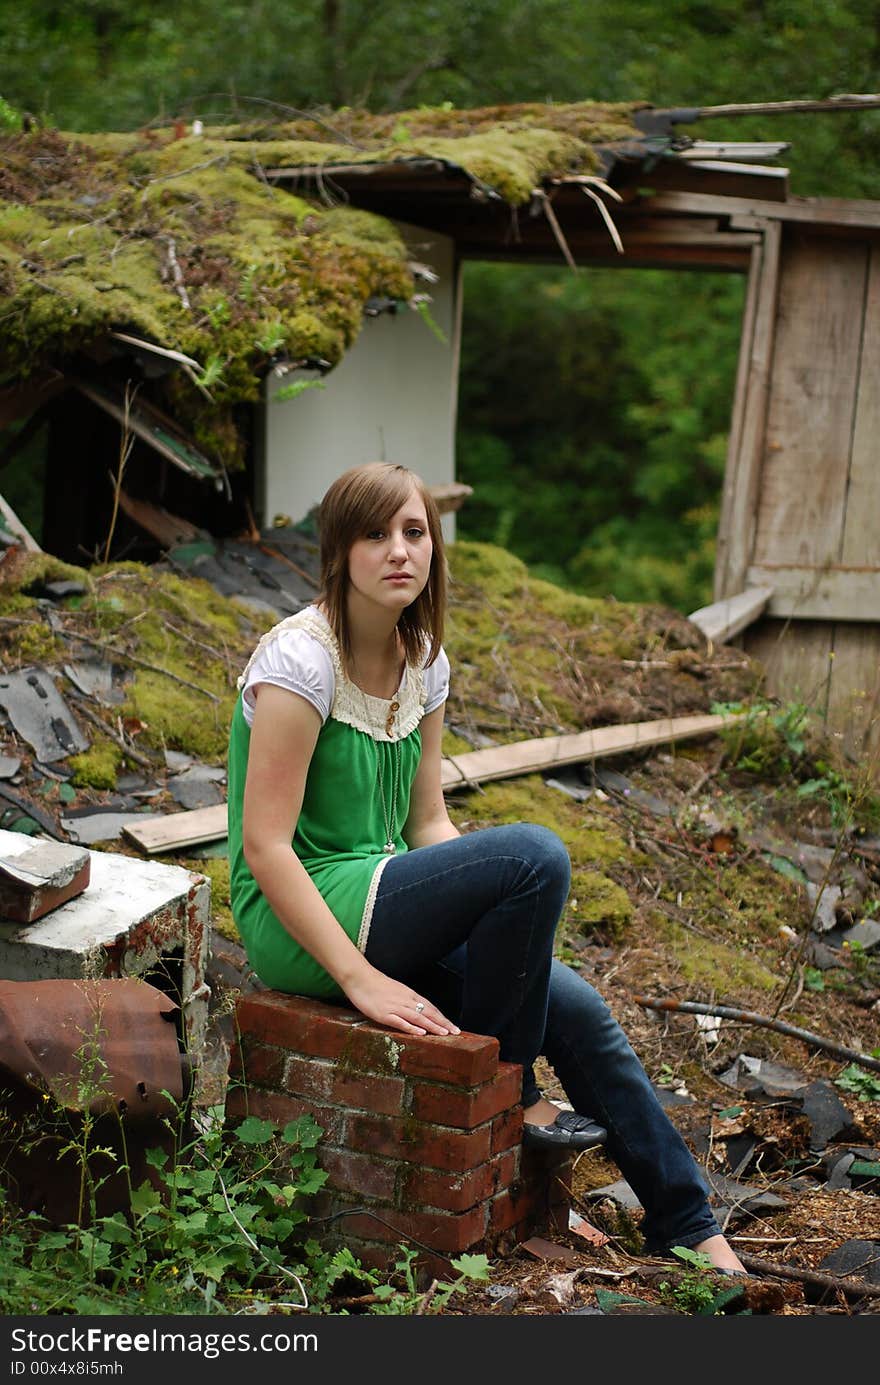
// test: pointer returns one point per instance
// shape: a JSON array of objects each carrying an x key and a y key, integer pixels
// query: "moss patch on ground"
[
  {"x": 598, "y": 903},
  {"x": 532, "y": 659},
  {"x": 714, "y": 967},
  {"x": 175, "y": 643}
]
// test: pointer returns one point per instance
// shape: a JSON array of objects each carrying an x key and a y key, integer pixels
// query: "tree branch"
[{"x": 687, "y": 1007}]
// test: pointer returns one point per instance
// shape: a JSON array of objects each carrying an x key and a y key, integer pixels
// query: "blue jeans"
[{"x": 471, "y": 923}]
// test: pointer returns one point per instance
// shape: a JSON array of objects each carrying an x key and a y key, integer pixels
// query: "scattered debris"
[
  {"x": 198, "y": 786},
  {"x": 754, "y": 1075},
  {"x": 99, "y": 825},
  {"x": 829, "y": 1119},
  {"x": 39, "y": 714},
  {"x": 542, "y": 1249}
]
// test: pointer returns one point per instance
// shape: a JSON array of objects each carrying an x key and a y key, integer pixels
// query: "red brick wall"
[{"x": 421, "y": 1134}]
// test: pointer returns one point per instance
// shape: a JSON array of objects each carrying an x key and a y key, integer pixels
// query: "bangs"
[{"x": 385, "y": 495}]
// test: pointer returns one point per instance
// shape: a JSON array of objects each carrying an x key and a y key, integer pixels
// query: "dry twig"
[
  {"x": 858, "y": 1288},
  {"x": 141, "y": 663},
  {"x": 730, "y": 1012}
]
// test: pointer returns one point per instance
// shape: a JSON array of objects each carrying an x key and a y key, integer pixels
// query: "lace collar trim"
[{"x": 366, "y": 713}]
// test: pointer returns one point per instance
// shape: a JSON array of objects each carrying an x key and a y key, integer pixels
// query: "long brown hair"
[{"x": 358, "y": 501}]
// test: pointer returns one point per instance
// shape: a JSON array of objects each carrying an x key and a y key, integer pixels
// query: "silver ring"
[{"x": 420, "y": 1005}]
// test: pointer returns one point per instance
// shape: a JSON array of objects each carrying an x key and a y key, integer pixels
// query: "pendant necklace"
[{"x": 389, "y": 818}]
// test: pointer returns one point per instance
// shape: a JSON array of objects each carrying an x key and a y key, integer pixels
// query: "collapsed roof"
[{"x": 216, "y": 256}]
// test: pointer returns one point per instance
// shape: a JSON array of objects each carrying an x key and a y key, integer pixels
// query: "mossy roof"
[{"x": 181, "y": 240}]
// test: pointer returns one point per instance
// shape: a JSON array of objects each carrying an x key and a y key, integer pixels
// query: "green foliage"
[
  {"x": 10, "y": 119},
  {"x": 296, "y": 388},
  {"x": 861, "y": 963},
  {"x": 405, "y": 1297},
  {"x": 863, "y": 1084},
  {"x": 220, "y": 1213},
  {"x": 694, "y": 1290},
  {"x": 780, "y": 741},
  {"x": 605, "y": 471},
  {"x": 767, "y": 739}
]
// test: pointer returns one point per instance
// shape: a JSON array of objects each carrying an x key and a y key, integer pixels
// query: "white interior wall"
[{"x": 392, "y": 398}]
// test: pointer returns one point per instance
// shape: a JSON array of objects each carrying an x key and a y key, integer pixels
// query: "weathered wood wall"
[{"x": 801, "y": 507}]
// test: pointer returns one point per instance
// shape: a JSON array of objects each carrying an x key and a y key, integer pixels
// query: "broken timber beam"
[
  {"x": 168, "y": 831},
  {"x": 726, "y": 618},
  {"x": 549, "y": 752}
]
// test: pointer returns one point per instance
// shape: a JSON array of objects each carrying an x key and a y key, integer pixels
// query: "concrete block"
[{"x": 135, "y": 918}]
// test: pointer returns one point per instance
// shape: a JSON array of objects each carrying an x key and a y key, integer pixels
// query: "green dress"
[{"x": 343, "y": 823}]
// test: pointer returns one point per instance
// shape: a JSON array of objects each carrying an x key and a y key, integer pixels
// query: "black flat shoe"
[{"x": 568, "y": 1131}]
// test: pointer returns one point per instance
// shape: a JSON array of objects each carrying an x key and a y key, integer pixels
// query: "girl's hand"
[{"x": 398, "y": 1006}]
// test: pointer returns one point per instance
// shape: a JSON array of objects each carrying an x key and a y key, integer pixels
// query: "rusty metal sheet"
[{"x": 123, "y": 1029}]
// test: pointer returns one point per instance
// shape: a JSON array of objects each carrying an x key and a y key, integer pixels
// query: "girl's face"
[{"x": 389, "y": 567}]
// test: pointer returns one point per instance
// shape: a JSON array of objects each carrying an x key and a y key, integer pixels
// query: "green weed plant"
[{"x": 221, "y": 1225}]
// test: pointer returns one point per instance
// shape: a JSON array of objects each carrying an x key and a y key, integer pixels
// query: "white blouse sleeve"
[
  {"x": 298, "y": 662},
  {"x": 436, "y": 682}
]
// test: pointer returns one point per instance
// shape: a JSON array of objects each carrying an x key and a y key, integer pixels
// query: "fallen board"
[
  {"x": 726, "y": 618},
  {"x": 548, "y": 752},
  {"x": 169, "y": 831}
]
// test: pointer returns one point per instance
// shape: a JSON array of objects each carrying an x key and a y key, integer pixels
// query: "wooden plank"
[
  {"x": 862, "y": 519},
  {"x": 167, "y": 529},
  {"x": 820, "y": 593},
  {"x": 850, "y": 101},
  {"x": 168, "y": 831},
  {"x": 592, "y": 251},
  {"x": 549, "y": 752},
  {"x": 736, "y": 532},
  {"x": 734, "y": 437},
  {"x": 812, "y": 403},
  {"x": 711, "y": 179},
  {"x": 828, "y": 211},
  {"x": 733, "y": 149},
  {"x": 854, "y": 699},
  {"x": 796, "y": 659},
  {"x": 149, "y": 424},
  {"x": 726, "y": 618}
]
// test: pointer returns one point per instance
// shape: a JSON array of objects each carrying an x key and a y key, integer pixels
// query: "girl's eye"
[
  {"x": 415, "y": 533},
  {"x": 376, "y": 534}
]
